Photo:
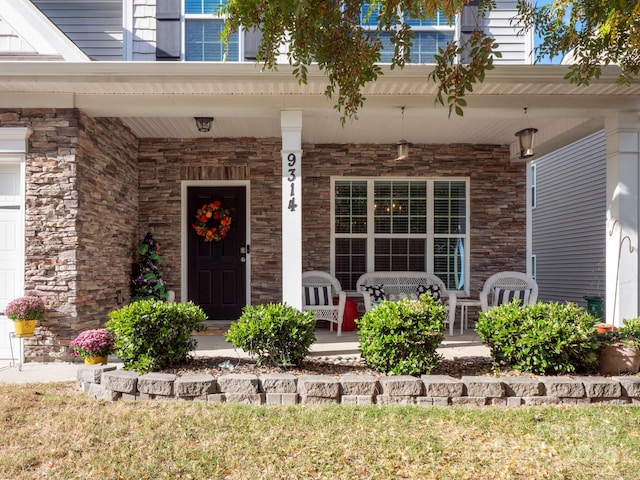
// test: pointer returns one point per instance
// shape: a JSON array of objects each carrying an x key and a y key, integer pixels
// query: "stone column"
[
  {"x": 291, "y": 126},
  {"x": 622, "y": 131}
]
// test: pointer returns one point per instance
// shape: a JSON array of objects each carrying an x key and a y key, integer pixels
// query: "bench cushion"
[
  {"x": 375, "y": 291},
  {"x": 434, "y": 290}
]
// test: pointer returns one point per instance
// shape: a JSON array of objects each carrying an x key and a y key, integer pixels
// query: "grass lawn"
[{"x": 52, "y": 431}]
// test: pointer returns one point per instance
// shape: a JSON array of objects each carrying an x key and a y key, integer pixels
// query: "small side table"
[
  {"x": 465, "y": 303},
  {"x": 13, "y": 336}
]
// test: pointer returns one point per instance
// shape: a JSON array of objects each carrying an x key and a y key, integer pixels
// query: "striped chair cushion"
[
  {"x": 501, "y": 295},
  {"x": 317, "y": 296}
]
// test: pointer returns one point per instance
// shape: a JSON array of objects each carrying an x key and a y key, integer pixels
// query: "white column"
[
  {"x": 622, "y": 131},
  {"x": 291, "y": 126}
]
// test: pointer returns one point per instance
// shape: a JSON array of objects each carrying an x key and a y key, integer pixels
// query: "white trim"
[
  {"x": 36, "y": 29},
  {"x": 291, "y": 182},
  {"x": 184, "y": 229},
  {"x": 14, "y": 140}
]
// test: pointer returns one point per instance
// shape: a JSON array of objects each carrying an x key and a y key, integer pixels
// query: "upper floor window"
[
  {"x": 430, "y": 35},
  {"x": 202, "y": 27}
]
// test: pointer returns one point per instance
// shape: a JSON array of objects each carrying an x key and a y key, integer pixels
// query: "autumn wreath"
[{"x": 212, "y": 221}]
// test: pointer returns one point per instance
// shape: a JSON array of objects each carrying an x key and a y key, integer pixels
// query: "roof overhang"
[{"x": 161, "y": 99}]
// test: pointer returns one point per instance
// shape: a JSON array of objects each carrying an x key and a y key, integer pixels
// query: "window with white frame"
[
  {"x": 202, "y": 27},
  {"x": 430, "y": 35},
  {"x": 401, "y": 225}
]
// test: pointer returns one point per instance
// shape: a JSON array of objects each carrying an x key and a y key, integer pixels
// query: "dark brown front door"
[{"x": 216, "y": 270}]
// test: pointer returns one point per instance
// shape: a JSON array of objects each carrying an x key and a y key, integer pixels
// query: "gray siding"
[
  {"x": 568, "y": 233},
  {"x": 94, "y": 26},
  {"x": 515, "y": 49}
]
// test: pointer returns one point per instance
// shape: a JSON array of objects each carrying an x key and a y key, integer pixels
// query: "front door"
[{"x": 217, "y": 269}]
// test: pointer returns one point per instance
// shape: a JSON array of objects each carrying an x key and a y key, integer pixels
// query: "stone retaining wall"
[{"x": 108, "y": 383}]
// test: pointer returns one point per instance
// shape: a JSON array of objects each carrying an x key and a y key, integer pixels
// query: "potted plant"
[
  {"x": 25, "y": 311},
  {"x": 620, "y": 349},
  {"x": 93, "y": 346}
]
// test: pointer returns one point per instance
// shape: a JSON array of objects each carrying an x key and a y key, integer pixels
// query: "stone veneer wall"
[
  {"x": 497, "y": 197},
  {"x": 107, "y": 166},
  {"x": 498, "y": 192},
  {"x": 78, "y": 222}
]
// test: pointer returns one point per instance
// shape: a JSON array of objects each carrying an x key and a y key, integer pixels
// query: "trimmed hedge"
[
  {"x": 401, "y": 338},
  {"x": 541, "y": 338},
  {"x": 153, "y": 334}
]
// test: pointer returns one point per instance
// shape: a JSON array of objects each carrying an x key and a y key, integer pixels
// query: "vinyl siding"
[
  {"x": 94, "y": 26},
  {"x": 515, "y": 49},
  {"x": 568, "y": 234}
]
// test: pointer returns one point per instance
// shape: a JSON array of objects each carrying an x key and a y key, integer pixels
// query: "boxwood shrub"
[
  {"x": 401, "y": 338},
  {"x": 542, "y": 338},
  {"x": 153, "y": 334},
  {"x": 275, "y": 333}
]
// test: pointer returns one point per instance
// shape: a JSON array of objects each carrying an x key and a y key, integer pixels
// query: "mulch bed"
[{"x": 335, "y": 367}]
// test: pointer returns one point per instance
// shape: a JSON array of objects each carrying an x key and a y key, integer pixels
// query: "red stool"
[{"x": 349, "y": 317}]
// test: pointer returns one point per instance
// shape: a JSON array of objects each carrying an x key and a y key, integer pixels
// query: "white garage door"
[{"x": 11, "y": 250}]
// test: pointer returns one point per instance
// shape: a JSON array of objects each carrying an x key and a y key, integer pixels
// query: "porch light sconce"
[
  {"x": 403, "y": 145},
  {"x": 204, "y": 123},
  {"x": 525, "y": 139}
]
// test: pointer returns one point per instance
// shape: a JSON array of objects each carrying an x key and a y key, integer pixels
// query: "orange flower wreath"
[{"x": 212, "y": 222}]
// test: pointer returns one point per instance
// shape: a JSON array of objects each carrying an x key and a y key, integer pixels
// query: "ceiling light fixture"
[
  {"x": 525, "y": 139},
  {"x": 403, "y": 145},
  {"x": 203, "y": 123}
]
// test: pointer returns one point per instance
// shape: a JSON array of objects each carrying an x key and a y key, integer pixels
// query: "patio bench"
[{"x": 378, "y": 286}]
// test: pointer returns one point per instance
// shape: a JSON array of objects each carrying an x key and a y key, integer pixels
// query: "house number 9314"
[{"x": 292, "y": 161}]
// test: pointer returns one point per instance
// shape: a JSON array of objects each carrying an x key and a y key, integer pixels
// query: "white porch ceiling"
[{"x": 161, "y": 99}]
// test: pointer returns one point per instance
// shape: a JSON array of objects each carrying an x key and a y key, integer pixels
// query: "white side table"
[{"x": 465, "y": 303}]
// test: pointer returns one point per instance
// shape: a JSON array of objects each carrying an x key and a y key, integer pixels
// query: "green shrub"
[
  {"x": 153, "y": 334},
  {"x": 401, "y": 338},
  {"x": 631, "y": 328},
  {"x": 541, "y": 338},
  {"x": 275, "y": 333}
]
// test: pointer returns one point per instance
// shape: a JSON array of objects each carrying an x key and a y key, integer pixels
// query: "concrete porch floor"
[{"x": 213, "y": 344}]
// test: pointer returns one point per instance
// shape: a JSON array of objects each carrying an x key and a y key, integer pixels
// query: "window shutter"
[
  {"x": 167, "y": 9},
  {"x": 168, "y": 30},
  {"x": 252, "y": 39},
  {"x": 469, "y": 21}
]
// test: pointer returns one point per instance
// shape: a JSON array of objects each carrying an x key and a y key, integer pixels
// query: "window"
[
  {"x": 430, "y": 35},
  {"x": 401, "y": 225},
  {"x": 533, "y": 185},
  {"x": 534, "y": 266},
  {"x": 203, "y": 25}
]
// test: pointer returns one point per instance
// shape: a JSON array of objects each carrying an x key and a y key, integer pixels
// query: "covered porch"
[{"x": 132, "y": 126}]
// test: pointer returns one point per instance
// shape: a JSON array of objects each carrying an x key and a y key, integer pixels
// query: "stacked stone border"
[{"x": 108, "y": 383}]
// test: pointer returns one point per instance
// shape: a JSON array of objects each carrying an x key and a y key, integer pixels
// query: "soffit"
[{"x": 161, "y": 99}]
